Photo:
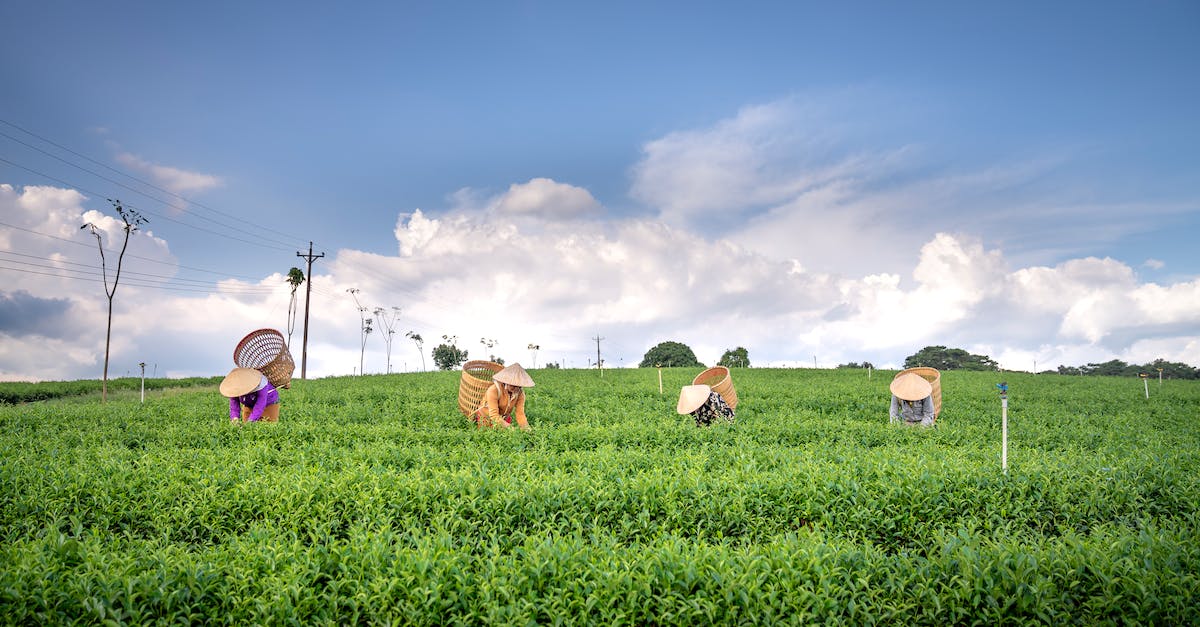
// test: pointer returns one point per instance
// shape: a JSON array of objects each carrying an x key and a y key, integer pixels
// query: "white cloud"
[
  {"x": 1154, "y": 264},
  {"x": 545, "y": 198},
  {"x": 635, "y": 282},
  {"x": 826, "y": 180},
  {"x": 170, "y": 178}
]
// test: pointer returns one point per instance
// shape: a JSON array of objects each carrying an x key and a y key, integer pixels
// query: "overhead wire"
[
  {"x": 131, "y": 255},
  {"x": 239, "y": 219},
  {"x": 431, "y": 300},
  {"x": 97, "y": 277},
  {"x": 134, "y": 273},
  {"x": 141, "y": 209}
]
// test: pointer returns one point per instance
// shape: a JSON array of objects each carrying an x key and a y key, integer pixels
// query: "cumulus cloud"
[
  {"x": 794, "y": 179},
  {"x": 1154, "y": 264},
  {"x": 545, "y": 198},
  {"x": 170, "y": 178}
]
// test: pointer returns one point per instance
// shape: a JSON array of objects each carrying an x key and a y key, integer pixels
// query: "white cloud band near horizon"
[
  {"x": 775, "y": 230},
  {"x": 635, "y": 281}
]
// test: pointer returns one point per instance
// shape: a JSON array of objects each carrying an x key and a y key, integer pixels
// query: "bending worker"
[
  {"x": 705, "y": 405},
  {"x": 250, "y": 392},
  {"x": 504, "y": 400},
  {"x": 912, "y": 400}
]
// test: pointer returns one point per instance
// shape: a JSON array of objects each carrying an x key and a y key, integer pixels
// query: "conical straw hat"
[
  {"x": 242, "y": 381},
  {"x": 514, "y": 375},
  {"x": 910, "y": 387},
  {"x": 691, "y": 397}
]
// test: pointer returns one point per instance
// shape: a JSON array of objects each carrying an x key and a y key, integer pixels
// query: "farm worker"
[
  {"x": 504, "y": 400},
  {"x": 912, "y": 400},
  {"x": 705, "y": 405},
  {"x": 251, "y": 392}
]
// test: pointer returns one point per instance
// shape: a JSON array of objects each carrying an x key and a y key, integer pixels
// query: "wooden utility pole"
[
  {"x": 310, "y": 258},
  {"x": 598, "y": 338}
]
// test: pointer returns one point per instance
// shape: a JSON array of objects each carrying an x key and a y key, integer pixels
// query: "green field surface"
[{"x": 373, "y": 502}]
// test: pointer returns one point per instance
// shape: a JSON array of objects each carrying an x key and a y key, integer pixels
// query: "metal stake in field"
[
  {"x": 659, "y": 379},
  {"x": 143, "y": 365},
  {"x": 1003, "y": 426},
  {"x": 1145, "y": 383},
  {"x": 1160, "y": 377}
]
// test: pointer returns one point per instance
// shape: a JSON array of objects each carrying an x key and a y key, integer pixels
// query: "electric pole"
[
  {"x": 598, "y": 338},
  {"x": 310, "y": 258}
]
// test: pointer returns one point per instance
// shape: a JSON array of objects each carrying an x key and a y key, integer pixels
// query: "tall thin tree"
[
  {"x": 132, "y": 220},
  {"x": 294, "y": 278},
  {"x": 365, "y": 327},
  {"x": 387, "y": 322},
  {"x": 420, "y": 342}
]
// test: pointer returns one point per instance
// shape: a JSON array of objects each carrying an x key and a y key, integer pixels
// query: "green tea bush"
[{"x": 373, "y": 501}]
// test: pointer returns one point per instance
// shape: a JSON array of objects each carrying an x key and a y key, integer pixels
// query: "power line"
[
  {"x": 95, "y": 277},
  {"x": 239, "y": 219},
  {"x": 598, "y": 362},
  {"x": 310, "y": 258},
  {"x": 153, "y": 213},
  {"x": 263, "y": 289},
  {"x": 132, "y": 256}
]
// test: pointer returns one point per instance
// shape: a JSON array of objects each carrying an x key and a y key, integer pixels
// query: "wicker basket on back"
[
  {"x": 476, "y": 379},
  {"x": 934, "y": 378},
  {"x": 719, "y": 379},
  {"x": 266, "y": 351}
]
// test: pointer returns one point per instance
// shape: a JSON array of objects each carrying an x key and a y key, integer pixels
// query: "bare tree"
[
  {"x": 132, "y": 220},
  {"x": 487, "y": 343},
  {"x": 387, "y": 321},
  {"x": 365, "y": 327},
  {"x": 420, "y": 342}
]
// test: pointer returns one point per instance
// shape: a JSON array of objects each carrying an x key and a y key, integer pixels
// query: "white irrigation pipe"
[
  {"x": 1003, "y": 426},
  {"x": 660, "y": 380},
  {"x": 1004, "y": 435},
  {"x": 143, "y": 365}
]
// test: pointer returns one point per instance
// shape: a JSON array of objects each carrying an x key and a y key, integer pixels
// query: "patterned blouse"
[{"x": 712, "y": 409}]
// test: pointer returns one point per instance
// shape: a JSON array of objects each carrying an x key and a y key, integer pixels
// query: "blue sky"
[{"x": 826, "y": 148}]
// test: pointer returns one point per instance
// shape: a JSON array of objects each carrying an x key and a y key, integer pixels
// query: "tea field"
[{"x": 373, "y": 502}]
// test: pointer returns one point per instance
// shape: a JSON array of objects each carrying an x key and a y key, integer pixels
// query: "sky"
[{"x": 820, "y": 183}]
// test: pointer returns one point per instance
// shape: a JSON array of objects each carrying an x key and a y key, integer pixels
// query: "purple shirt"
[{"x": 258, "y": 400}]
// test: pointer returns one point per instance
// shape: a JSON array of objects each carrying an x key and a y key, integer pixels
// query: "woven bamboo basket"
[
  {"x": 934, "y": 378},
  {"x": 266, "y": 351},
  {"x": 476, "y": 379},
  {"x": 719, "y": 379}
]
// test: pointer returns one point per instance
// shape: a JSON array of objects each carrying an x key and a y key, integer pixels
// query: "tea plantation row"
[{"x": 372, "y": 501}]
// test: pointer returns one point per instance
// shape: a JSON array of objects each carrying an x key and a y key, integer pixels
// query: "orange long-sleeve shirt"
[{"x": 497, "y": 405}]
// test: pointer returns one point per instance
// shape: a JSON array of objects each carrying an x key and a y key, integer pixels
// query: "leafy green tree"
[
  {"x": 1118, "y": 368},
  {"x": 1111, "y": 368},
  {"x": 855, "y": 364},
  {"x": 552, "y": 366},
  {"x": 1171, "y": 370},
  {"x": 944, "y": 358},
  {"x": 670, "y": 354},
  {"x": 448, "y": 356},
  {"x": 735, "y": 358}
]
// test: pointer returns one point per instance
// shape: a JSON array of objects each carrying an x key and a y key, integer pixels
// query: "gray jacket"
[{"x": 912, "y": 412}]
